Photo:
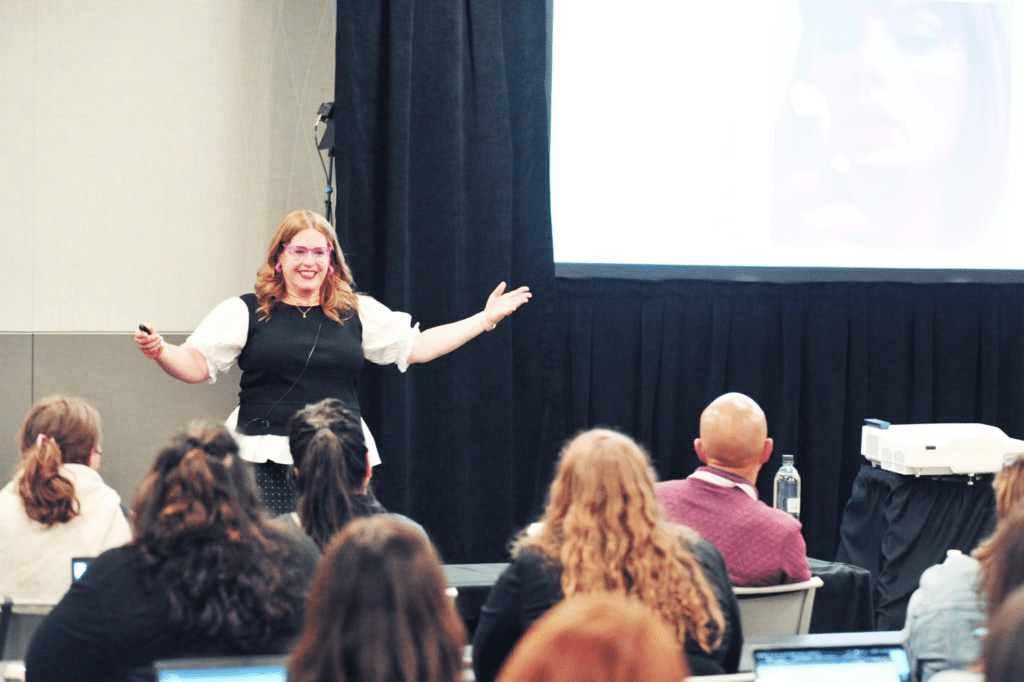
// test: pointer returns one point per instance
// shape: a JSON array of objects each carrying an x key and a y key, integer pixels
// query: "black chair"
[
  {"x": 5, "y": 624},
  {"x": 18, "y": 623}
]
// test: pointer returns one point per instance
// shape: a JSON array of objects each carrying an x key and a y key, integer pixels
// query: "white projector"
[{"x": 937, "y": 449}]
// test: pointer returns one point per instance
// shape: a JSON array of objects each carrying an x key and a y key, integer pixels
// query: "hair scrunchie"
[{"x": 40, "y": 439}]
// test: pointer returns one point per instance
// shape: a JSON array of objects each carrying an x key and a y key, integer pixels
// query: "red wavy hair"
[{"x": 608, "y": 637}]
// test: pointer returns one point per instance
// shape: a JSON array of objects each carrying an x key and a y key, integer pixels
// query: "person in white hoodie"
[{"x": 56, "y": 507}]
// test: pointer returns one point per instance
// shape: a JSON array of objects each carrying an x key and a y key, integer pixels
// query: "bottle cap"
[{"x": 787, "y": 459}]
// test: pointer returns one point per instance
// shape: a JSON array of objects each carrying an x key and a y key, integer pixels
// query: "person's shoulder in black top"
[
  {"x": 525, "y": 590},
  {"x": 110, "y": 623}
]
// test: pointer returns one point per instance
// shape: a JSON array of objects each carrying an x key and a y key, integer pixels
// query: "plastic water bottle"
[{"x": 787, "y": 487}]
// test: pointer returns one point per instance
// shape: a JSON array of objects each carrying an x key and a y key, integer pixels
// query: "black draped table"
[
  {"x": 896, "y": 526},
  {"x": 473, "y": 582},
  {"x": 842, "y": 604}
]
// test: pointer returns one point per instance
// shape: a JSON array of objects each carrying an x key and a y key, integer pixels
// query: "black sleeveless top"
[{"x": 289, "y": 362}]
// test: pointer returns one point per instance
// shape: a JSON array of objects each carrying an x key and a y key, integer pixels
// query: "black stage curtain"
[
  {"x": 647, "y": 357},
  {"x": 441, "y": 144}
]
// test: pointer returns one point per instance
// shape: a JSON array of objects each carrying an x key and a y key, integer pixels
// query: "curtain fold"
[
  {"x": 443, "y": 193},
  {"x": 442, "y": 154}
]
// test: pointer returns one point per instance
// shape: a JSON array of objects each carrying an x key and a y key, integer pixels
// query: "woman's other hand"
[{"x": 501, "y": 304}]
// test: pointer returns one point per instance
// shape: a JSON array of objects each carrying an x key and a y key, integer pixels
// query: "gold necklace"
[{"x": 304, "y": 312}]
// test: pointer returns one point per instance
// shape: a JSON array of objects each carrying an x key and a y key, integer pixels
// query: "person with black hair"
[
  {"x": 206, "y": 574},
  {"x": 332, "y": 472}
]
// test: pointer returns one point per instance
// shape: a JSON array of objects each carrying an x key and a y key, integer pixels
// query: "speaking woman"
[{"x": 302, "y": 336}]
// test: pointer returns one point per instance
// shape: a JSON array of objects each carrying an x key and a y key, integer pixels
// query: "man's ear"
[
  {"x": 698, "y": 447},
  {"x": 769, "y": 445}
]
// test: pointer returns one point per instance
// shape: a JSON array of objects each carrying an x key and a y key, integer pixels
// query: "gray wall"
[
  {"x": 147, "y": 152},
  {"x": 139, "y": 404}
]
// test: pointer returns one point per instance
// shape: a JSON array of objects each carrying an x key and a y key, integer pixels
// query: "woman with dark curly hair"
[
  {"x": 378, "y": 611},
  {"x": 602, "y": 531},
  {"x": 205, "y": 576}
]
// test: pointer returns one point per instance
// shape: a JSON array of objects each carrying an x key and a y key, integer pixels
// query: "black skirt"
[{"x": 276, "y": 487}]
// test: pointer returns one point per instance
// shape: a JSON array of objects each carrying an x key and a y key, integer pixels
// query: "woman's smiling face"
[{"x": 304, "y": 275}]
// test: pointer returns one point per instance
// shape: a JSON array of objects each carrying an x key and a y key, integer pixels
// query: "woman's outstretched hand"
[
  {"x": 149, "y": 342},
  {"x": 501, "y": 304}
]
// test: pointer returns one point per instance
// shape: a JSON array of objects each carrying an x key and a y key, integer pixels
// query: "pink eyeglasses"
[{"x": 318, "y": 253}]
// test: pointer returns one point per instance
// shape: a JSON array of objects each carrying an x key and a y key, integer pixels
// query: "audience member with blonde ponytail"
[
  {"x": 602, "y": 531},
  {"x": 57, "y": 506},
  {"x": 206, "y": 574}
]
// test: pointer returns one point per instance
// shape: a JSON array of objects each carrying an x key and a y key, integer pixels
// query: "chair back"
[
  {"x": 18, "y": 623},
  {"x": 778, "y": 609}
]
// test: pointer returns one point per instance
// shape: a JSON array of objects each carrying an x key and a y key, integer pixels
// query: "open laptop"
[
  {"x": 877, "y": 663},
  {"x": 79, "y": 564},
  {"x": 240, "y": 669}
]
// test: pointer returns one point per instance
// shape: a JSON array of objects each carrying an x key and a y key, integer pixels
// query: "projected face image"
[
  {"x": 895, "y": 79},
  {"x": 895, "y": 131}
]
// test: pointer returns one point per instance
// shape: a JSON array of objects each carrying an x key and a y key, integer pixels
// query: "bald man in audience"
[{"x": 761, "y": 545}]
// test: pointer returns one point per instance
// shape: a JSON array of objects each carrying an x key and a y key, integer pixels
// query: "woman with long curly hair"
[
  {"x": 57, "y": 506},
  {"x": 378, "y": 611},
  {"x": 302, "y": 336},
  {"x": 205, "y": 576},
  {"x": 602, "y": 531}
]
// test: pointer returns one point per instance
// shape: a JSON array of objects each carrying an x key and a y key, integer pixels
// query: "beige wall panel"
[
  {"x": 304, "y": 73},
  {"x": 171, "y": 138},
  {"x": 140, "y": 100},
  {"x": 147, "y": 153},
  {"x": 140, "y": 405},
  {"x": 15, "y": 398},
  {"x": 17, "y": 87}
]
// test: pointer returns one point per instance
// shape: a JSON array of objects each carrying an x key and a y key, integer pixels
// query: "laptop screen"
[
  {"x": 255, "y": 669},
  {"x": 839, "y": 664},
  {"x": 78, "y": 566}
]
